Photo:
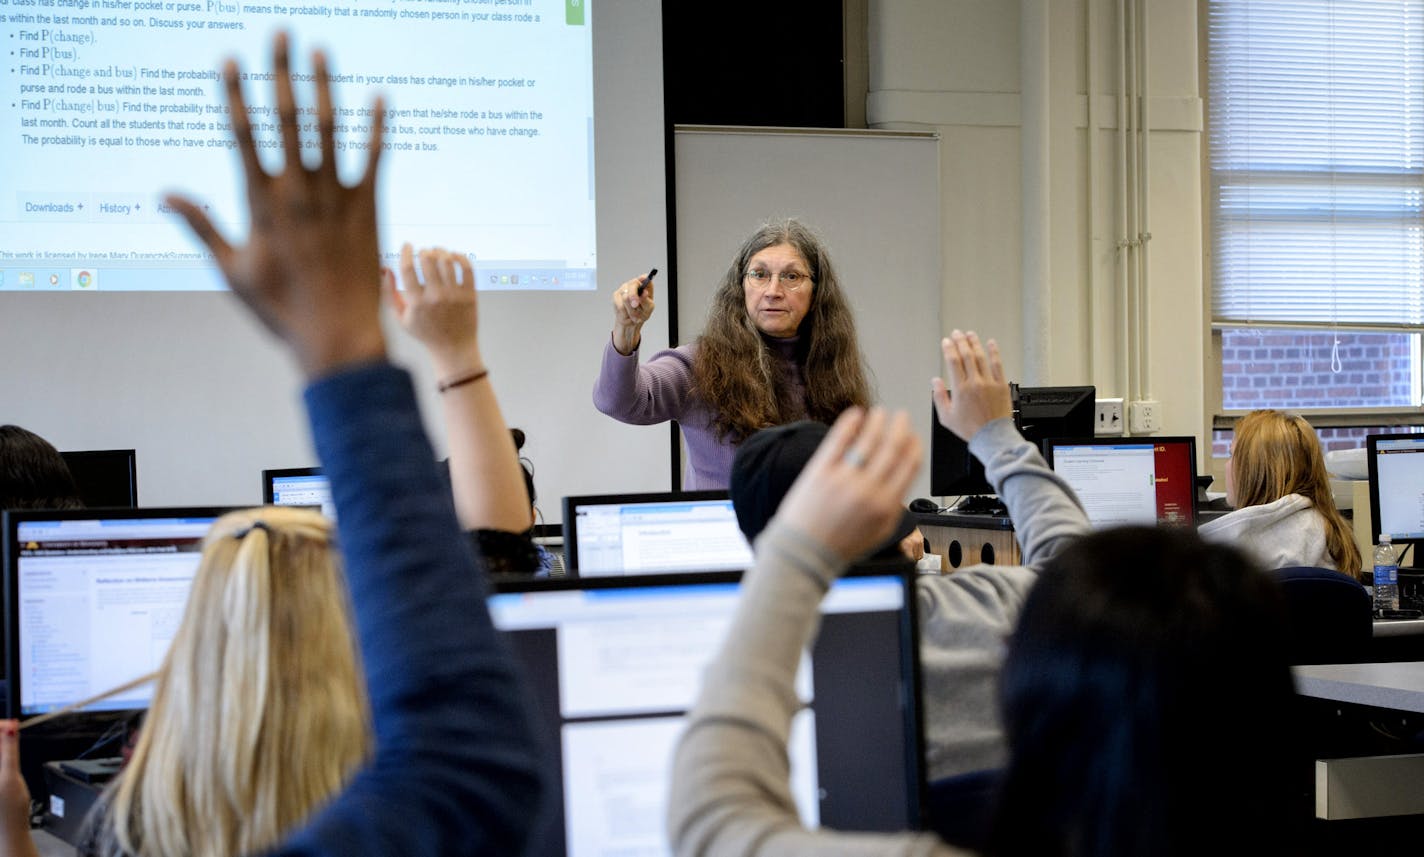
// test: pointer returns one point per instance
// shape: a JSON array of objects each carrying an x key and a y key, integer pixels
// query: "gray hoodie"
[{"x": 1280, "y": 534}]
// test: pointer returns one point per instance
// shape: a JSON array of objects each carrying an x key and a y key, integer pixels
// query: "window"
[
  {"x": 1281, "y": 368},
  {"x": 1316, "y": 149},
  {"x": 1331, "y": 439}
]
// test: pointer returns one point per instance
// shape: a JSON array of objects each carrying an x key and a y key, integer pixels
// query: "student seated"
[
  {"x": 1143, "y": 664},
  {"x": 964, "y": 617},
  {"x": 452, "y": 767},
  {"x": 259, "y": 715},
  {"x": 33, "y": 474},
  {"x": 1285, "y": 513}
]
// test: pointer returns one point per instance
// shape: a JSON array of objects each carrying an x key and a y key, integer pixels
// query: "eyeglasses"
[{"x": 792, "y": 281}]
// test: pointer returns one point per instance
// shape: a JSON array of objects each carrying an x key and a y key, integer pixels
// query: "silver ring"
[{"x": 854, "y": 457}]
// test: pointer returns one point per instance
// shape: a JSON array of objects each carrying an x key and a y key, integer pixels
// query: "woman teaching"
[{"x": 779, "y": 346}]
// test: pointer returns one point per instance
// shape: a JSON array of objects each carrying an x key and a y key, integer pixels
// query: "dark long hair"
[
  {"x": 1148, "y": 674},
  {"x": 735, "y": 371},
  {"x": 33, "y": 474}
]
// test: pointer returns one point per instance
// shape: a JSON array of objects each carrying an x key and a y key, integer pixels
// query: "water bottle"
[{"x": 1386, "y": 577}]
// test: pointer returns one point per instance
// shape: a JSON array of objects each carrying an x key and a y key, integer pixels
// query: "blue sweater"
[{"x": 455, "y": 769}]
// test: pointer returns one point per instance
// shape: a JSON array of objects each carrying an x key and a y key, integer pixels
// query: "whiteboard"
[{"x": 874, "y": 198}]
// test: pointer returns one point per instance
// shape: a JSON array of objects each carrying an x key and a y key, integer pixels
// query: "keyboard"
[{"x": 981, "y": 504}]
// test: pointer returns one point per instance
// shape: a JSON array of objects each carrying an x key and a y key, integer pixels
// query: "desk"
[
  {"x": 1399, "y": 628},
  {"x": 50, "y": 845},
  {"x": 1397, "y": 640},
  {"x": 1367, "y": 787},
  {"x": 1399, "y": 687},
  {"x": 965, "y": 539}
]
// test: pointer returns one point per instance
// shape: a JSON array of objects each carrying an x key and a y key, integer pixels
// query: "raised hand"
[
  {"x": 438, "y": 307},
  {"x": 310, "y": 270},
  {"x": 15, "y": 838},
  {"x": 630, "y": 311},
  {"x": 977, "y": 391},
  {"x": 849, "y": 496}
]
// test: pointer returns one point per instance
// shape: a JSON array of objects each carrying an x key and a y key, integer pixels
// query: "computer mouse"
[{"x": 924, "y": 506}]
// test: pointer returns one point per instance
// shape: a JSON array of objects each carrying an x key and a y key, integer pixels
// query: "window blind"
[{"x": 1316, "y": 146}]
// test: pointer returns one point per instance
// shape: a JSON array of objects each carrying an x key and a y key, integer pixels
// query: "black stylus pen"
[{"x": 647, "y": 281}]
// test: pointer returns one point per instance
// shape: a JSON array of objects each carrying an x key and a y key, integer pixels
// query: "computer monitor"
[
  {"x": 1039, "y": 412},
  {"x": 107, "y": 478},
  {"x": 616, "y": 663},
  {"x": 1396, "y": 463},
  {"x": 611, "y": 534},
  {"x": 1126, "y": 480},
  {"x": 298, "y": 486},
  {"x": 92, "y": 600},
  {"x": 1049, "y": 412}
]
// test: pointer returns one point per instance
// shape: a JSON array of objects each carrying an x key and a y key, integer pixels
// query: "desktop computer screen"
[
  {"x": 298, "y": 486},
  {"x": 93, "y": 600},
  {"x": 1396, "y": 463},
  {"x": 647, "y": 533},
  {"x": 105, "y": 477},
  {"x": 1124, "y": 480},
  {"x": 1040, "y": 413},
  {"x": 615, "y": 663}
]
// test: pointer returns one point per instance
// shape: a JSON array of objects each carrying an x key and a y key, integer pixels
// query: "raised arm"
[
  {"x": 439, "y": 308},
  {"x": 730, "y": 793},
  {"x": 644, "y": 393},
  {"x": 454, "y": 770},
  {"x": 15, "y": 837},
  {"x": 974, "y": 402},
  {"x": 630, "y": 392}
]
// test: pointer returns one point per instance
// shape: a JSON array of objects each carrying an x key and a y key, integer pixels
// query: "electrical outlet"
[
  {"x": 1109, "y": 417},
  {"x": 1145, "y": 416}
]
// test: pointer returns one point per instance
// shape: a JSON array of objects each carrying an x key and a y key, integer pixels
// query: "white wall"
[{"x": 1046, "y": 287}]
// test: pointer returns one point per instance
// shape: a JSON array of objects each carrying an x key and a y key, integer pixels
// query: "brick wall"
[{"x": 1292, "y": 369}]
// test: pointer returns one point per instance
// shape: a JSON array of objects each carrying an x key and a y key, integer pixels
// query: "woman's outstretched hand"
[
  {"x": 632, "y": 307},
  {"x": 976, "y": 392},
  {"x": 850, "y": 496},
  {"x": 15, "y": 840},
  {"x": 438, "y": 307}
]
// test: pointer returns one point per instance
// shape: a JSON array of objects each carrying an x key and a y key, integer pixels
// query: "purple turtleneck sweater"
[{"x": 661, "y": 390}]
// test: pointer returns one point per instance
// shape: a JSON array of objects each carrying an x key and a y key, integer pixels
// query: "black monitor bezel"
[
  {"x": 129, "y": 457},
  {"x": 1372, "y": 458},
  {"x": 571, "y": 504},
  {"x": 10, "y": 557},
  {"x": 954, "y": 470},
  {"x": 1052, "y": 443},
  {"x": 1083, "y": 407},
  {"x": 913, "y": 707}
]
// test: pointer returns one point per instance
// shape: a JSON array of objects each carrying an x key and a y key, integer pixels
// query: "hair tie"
[
  {"x": 255, "y": 525},
  {"x": 461, "y": 380}
]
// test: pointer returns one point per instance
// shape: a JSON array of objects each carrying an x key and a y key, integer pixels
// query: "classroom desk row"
[
  {"x": 1345, "y": 788},
  {"x": 1369, "y": 786}
]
